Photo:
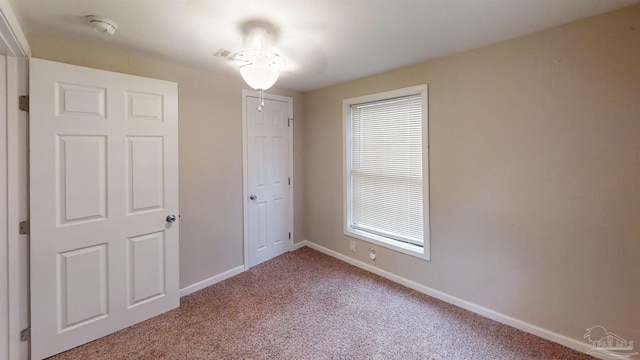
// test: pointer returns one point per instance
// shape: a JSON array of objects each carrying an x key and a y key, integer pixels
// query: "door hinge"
[
  {"x": 289, "y": 236},
  {"x": 289, "y": 121},
  {"x": 289, "y": 181},
  {"x": 25, "y": 335},
  {"x": 23, "y": 102},
  {"x": 25, "y": 227}
]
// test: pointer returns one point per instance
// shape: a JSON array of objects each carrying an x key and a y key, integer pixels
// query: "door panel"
[
  {"x": 82, "y": 280},
  {"x": 269, "y": 215},
  {"x": 82, "y": 169},
  {"x": 104, "y": 176},
  {"x": 81, "y": 101},
  {"x": 144, "y": 106},
  {"x": 146, "y": 268},
  {"x": 145, "y": 185}
]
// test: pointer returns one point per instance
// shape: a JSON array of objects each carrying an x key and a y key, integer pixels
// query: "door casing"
[{"x": 14, "y": 283}]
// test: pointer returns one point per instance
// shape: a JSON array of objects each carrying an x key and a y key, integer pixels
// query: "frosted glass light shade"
[{"x": 259, "y": 75}]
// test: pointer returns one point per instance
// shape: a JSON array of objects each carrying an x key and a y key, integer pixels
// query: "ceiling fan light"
[{"x": 259, "y": 76}]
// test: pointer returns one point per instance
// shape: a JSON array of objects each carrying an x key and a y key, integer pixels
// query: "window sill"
[{"x": 405, "y": 248}]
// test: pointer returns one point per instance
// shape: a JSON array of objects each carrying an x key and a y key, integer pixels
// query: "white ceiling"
[{"x": 324, "y": 41}]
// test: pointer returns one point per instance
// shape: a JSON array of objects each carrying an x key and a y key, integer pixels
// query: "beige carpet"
[{"x": 306, "y": 305}]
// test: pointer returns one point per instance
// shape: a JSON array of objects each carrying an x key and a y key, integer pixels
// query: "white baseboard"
[
  {"x": 227, "y": 274},
  {"x": 299, "y": 245},
  {"x": 508, "y": 320},
  {"x": 210, "y": 281}
]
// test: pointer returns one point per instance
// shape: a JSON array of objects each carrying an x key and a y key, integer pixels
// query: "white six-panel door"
[
  {"x": 104, "y": 178},
  {"x": 269, "y": 196}
]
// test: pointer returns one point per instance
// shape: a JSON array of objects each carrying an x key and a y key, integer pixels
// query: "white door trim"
[
  {"x": 13, "y": 44},
  {"x": 11, "y": 34},
  {"x": 245, "y": 193},
  {"x": 18, "y": 188},
  {"x": 4, "y": 210}
]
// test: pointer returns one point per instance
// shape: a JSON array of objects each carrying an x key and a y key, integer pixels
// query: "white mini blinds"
[{"x": 386, "y": 169}]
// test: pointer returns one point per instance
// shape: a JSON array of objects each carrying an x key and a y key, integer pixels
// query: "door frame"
[
  {"x": 13, "y": 44},
  {"x": 245, "y": 192}
]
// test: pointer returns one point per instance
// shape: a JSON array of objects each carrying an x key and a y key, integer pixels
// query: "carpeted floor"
[{"x": 306, "y": 305}]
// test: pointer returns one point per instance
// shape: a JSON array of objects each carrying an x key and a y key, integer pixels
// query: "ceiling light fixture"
[
  {"x": 102, "y": 24},
  {"x": 260, "y": 65},
  {"x": 260, "y": 74}
]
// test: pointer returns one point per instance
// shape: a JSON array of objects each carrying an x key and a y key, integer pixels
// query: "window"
[{"x": 386, "y": 170}]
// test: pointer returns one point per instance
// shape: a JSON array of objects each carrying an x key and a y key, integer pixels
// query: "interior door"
[
  {"x": 104, "y": 184},
  {"x": 268, "y": 169}
]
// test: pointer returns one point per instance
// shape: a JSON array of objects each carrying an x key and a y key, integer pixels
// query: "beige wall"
[
  {"x": 535, "y": 168},
  {"x": 210, "y": 145}
]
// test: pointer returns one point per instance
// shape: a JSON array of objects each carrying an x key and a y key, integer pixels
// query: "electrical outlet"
[
  {"x": 352, "y": 246},
  {"x": 372, "y": 254}
]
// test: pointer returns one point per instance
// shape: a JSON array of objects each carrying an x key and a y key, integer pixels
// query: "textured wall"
[
  {"x": 535, "y": 168},
  {"x": 210, "y": 136}
]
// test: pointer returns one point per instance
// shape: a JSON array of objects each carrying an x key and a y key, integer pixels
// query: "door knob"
[
  {"x": 253, "y": 197},
  {"x": 171, "y": 218}
]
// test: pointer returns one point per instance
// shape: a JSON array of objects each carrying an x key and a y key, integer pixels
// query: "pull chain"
[{"x": 261, "y": 99}]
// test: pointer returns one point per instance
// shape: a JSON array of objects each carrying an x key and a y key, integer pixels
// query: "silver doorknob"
[
  {"x": 253, "y": 197},
  {"x": 171, "y": 218}
]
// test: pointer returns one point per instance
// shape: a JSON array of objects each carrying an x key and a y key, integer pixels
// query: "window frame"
[{"x": 423, "y": 252}]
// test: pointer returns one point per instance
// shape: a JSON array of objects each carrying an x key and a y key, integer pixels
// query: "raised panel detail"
[
  {"x": 82, "y": 286},
  {"x": 277, "y": 220},
  {"x": 262, "y": 225},
  {"x": 277, "y": 119},
  {"x": 146, "y": 268},
  {"x": 259, "y": 120},
  {"x": 261, "y": 161},
  {"x": 80, "y": 101},
  {"x": 82, "y": 179},
  {"x": 141, "y": 106},
  {"x": 146, "y": 173},
  {"x": 277, "y": 160}
]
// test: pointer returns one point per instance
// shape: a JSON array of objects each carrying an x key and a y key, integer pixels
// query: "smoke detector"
[{"x": 102, "y": 24}]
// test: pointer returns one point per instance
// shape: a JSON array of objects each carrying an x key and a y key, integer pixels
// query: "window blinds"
[{"x": 386, "y": 168}]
